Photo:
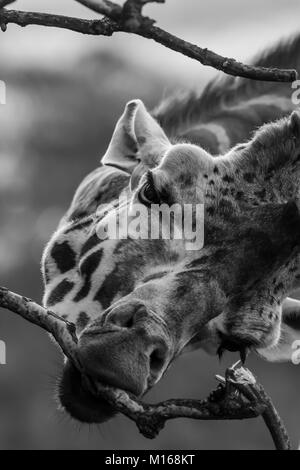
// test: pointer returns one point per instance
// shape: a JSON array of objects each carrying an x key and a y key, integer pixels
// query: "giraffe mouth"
[
  {"x": 78, "y": 402},
  {"x": 241, "y": 345}
]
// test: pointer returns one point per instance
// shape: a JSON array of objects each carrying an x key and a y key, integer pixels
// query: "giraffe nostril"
[
  {"x": 129, "y": 322},
  {"x": 157, "y": 361}
]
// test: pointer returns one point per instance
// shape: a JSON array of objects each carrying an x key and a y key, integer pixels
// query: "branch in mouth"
[{"x": 238, "y": 396}]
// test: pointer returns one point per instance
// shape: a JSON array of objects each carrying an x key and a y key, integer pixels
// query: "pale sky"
[{"x": 236, "y": 28}]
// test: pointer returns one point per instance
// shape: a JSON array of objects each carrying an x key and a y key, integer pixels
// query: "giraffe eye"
[{"x": 148, "y": 195}]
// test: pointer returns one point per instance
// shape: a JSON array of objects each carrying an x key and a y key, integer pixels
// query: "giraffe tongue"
[
  {"x": 244, "y": 354},
  {"x": 227, "y": 346}
]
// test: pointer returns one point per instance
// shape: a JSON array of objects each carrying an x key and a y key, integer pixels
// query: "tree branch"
[
  {"x": 270, "y": 414},
  {"x": 63, "y": 332},
  {"x": 4, "y": 3},
  {"x": 24, "y": 18},
  {"x": 239, "y": 396},
  {"x": 130, "y": 19}
]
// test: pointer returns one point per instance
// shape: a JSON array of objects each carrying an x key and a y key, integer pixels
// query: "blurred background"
[{"x": 65, "y": 92}]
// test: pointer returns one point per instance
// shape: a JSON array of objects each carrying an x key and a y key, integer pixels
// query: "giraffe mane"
[{"x": 183, "y": 109}]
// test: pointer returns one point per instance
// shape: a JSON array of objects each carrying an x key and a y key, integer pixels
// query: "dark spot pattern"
[
  {"x": 210, "y": 211},
  {"x": 64, "y": 256},
  {"x": 141, "y": 140},
  {"x": 59, "y": 292},
  {"x": 87, "y": 269},
  {"x": 91, "y": 243},
  {"x": 186, "y": 179},
  {"x": 225, "y": 205},
  {"x": 82, "y": 320},
  {"x": 113, "y": 284},
  {"x": 228, "y": 179},
  {"x": 224, "y": 191}
]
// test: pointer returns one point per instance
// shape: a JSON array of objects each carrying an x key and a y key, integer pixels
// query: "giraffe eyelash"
[
  {"x": 150, "y": 180},
  {"x": 148, "y": 194}
]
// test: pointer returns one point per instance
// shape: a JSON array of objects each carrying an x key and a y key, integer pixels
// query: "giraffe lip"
[{"x": 79, "y": 402}]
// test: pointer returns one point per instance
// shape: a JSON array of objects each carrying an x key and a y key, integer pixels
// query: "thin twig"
[
  {"x": 129, "y": 19},
  {"x": 238, "y": 397}
]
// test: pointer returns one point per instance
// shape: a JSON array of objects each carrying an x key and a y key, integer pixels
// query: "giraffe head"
[{"x": 139, "y": 302}]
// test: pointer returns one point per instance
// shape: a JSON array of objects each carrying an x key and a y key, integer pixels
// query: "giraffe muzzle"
[{"x": 127, "y": 350}]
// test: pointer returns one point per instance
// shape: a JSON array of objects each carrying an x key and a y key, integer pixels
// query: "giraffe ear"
[{"x": 137, "y": 140}]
